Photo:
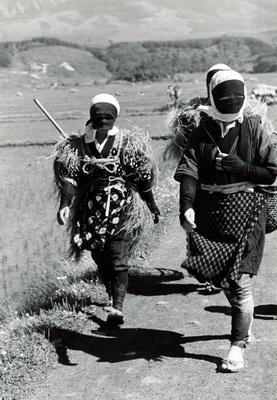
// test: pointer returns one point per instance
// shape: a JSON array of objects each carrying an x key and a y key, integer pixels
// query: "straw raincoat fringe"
[
  {"x": 183, "y": 120},
  {"x": 68, "y": 162}
]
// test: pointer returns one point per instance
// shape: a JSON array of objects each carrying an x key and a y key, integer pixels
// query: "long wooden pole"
[{"x": 38, "y": 103}]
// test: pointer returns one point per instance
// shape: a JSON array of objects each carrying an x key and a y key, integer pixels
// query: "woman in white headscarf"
[
  {"x": 104, "y": 177},
  {"x": 226, "y": 157}
]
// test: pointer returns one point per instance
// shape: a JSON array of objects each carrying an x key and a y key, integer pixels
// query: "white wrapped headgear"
[{"x": 105, "y": 98}]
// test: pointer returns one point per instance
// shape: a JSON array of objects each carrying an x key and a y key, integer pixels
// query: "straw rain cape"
[
  {"x": 183, "y": 120},
  {"x": 106, "y": 190}
]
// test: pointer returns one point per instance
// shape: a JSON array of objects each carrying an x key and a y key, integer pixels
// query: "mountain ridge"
[{"x": 106, "y": 21}]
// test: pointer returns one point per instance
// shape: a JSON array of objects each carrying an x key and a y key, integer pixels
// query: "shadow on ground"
[
  {"x": 219, "y": 309},
  {"x": 156, "y": 282},
  {"x": 114, "y": 345},
  {"x": 266, "y": 311}
]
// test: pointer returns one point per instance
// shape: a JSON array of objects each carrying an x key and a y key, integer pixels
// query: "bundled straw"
[
  {"x": 137, "y": 141},
  {"x": 182, "y": 121},
  {"x": 66, "y": 160}
]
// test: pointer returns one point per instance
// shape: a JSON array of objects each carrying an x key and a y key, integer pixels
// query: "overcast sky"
[{"x": 97, "y": 22}]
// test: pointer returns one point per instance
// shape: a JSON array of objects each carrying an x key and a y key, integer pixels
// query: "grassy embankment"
[{"x": 56, "y": 293}]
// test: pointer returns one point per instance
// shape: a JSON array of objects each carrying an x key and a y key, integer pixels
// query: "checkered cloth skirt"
[{"x": 224, "y": 223}]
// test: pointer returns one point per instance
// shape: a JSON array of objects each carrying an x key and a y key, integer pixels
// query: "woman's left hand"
[{"x": 189, "y": 224}]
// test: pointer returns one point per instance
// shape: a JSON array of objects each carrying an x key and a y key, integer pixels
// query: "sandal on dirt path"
[
  {"x": 230, "y": 366},
  {"x": 115, "y": 317},
  {"x": 108, "y": 307},
  {"x": 234, "y": 361}
]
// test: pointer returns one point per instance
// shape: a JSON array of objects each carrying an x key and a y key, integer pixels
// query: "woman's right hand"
[
  {"x": 218, "y": 160},
  {"x": 63, "y": 215},
  {"x": 189, "y": 223}
]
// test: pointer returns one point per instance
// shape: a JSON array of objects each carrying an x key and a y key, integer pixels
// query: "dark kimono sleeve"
[
  {"x": 140, "y": 172},
  {"x": 138, "y": 167},
  {"x": 188, "y": 165},
  {"x": 187, "y": 174},
  {"x": 261, "y": 168},
  {"x": 266, "y": 154}
]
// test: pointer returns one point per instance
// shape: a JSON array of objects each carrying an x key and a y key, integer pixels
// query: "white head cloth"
[
  {"x": 102, "y": 98},
  {"x": 219, "y": 77},
  {"x": 105, "y": 98}
]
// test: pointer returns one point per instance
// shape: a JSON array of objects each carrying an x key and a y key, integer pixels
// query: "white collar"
[
  {"x": 90, "y": 133},
  {"x": 225, "y": 128},
  {"x": 113, "y": 131}
]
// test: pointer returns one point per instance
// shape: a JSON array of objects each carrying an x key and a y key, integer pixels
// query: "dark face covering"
[
  {"x": 229, "y": 96},
  {"x": 103, "y": 116}
]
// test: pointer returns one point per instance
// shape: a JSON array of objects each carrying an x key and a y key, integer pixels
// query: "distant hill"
[
  {"x": 58, "y": 60},
  {"x": 100, "y": 22},
  {"x": 151, "y": 60}
]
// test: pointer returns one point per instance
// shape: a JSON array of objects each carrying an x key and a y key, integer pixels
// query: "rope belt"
[
  {"x": 230, "y": 188},
  {"x": 109, "y": 164}
]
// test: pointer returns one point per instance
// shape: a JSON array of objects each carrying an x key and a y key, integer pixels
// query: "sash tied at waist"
[{"x": 230, "y": 188}]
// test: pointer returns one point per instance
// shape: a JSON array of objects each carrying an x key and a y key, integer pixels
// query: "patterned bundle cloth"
[{"x": 215, "y": 249}]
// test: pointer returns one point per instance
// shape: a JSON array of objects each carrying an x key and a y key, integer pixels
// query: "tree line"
[{"x": 156, "y": 60}]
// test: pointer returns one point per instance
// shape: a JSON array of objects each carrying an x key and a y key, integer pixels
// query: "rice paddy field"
[{"x": 31, "y": 241}]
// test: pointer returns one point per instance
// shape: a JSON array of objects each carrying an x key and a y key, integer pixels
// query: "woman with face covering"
[
  {"x": 226, "y": 157},
  {"x": 99, "y": 175}
]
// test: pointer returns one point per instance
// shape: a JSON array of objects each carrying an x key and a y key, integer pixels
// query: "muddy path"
[{"x": 175, "y": 333}]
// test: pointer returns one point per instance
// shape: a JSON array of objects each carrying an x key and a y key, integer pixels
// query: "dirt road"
[{"x": 173, "y": 337}]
